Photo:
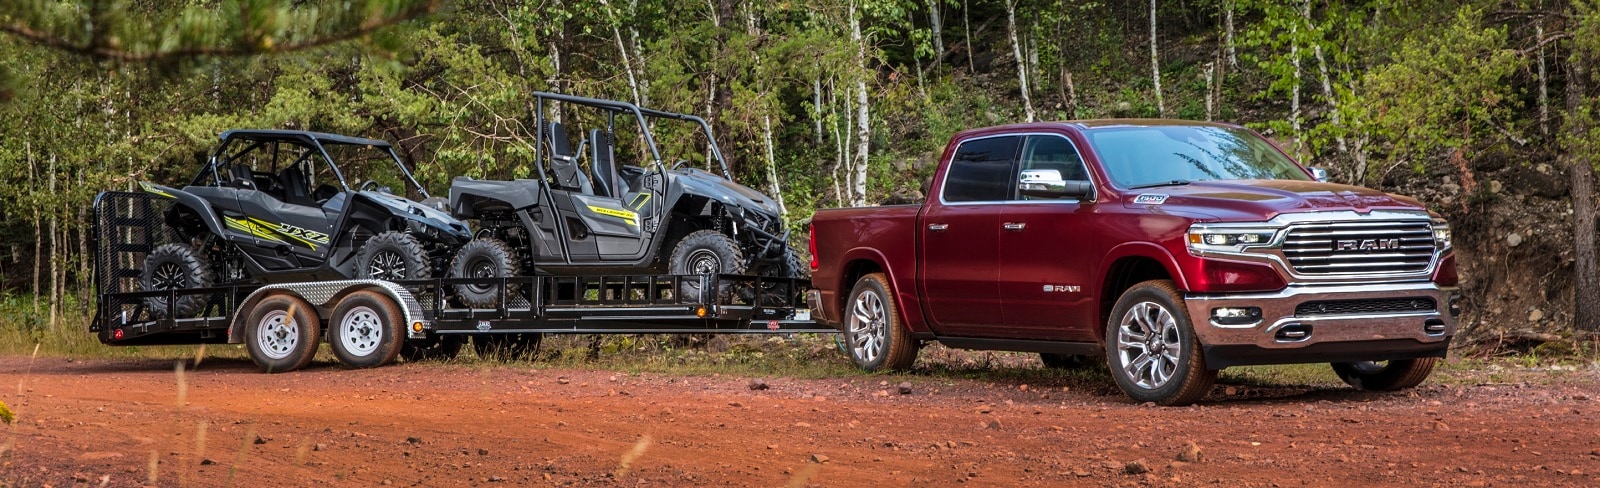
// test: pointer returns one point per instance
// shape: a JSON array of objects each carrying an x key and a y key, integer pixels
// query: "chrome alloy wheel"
[
  {"x": 277, "y": 334},
  {"x": 1149, "y": 347},
  {"x": 361, "y": 331},
  {"x": 868, "y": 325}
]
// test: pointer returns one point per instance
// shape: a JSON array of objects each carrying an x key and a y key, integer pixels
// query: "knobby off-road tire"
[
  {"x": 705, "y": 252},
  {"x": 1396, "y": 374},
  {"x": 484, "y": 258},
  {"x": 435, "y": 348},
  {"x": 366, "y": 330},
  {"x": 174, "y": 267},
  {"x": 1152, "y": 349},
  {"x": 506, "y": 347},
  {"x": 282, "y": 333},
  {"x": 392, "y": 256},
  {"x": 874, "y": 335}
]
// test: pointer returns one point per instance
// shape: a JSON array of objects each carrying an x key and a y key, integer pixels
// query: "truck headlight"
[
  {"x": 1203, "y": 238},
  {"x": 1441, "y": 234}
]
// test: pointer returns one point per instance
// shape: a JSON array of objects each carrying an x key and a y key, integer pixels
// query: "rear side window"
[{"x": 981, "y": 170}]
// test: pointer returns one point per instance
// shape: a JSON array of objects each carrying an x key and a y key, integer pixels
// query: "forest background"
[{"x": 1483, "y": 109}]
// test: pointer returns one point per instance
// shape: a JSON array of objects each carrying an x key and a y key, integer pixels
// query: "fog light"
[
  {"x": 1236, "y": 315},
  {"x": 1454, "y": 306}
]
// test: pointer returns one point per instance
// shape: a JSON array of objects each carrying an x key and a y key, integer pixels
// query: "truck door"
[
  {"x": 1048, "y": 252},
  {"x": 960, "y": 241}
]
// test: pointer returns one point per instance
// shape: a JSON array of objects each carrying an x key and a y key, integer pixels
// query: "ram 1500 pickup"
[{"x": 1172, "y": 248}]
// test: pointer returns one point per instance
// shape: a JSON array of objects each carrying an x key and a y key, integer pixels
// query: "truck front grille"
[
  {"x": 1354, "y": 248},
  {"x": 1364, "y": 307}
]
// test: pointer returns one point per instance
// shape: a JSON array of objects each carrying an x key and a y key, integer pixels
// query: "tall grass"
[{"x": 66, "y": 334}]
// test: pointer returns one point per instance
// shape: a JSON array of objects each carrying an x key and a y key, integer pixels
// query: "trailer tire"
[
  {"x": 506, "y": 347},
  {"x": 392, "y": 256},
  {"x": 367, "y": 330},
  {"x": 281, "y": 333},
  {"x": 435, "y": 348},
  {"x": 705, "y": 252},
  {"x": 484, "y": 257},
  {"x": 174, "y": 267}
]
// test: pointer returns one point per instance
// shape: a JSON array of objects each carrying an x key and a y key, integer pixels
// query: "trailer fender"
[
  {"x": 325, "y": 295},
  {"x": 189, "y": 200}
]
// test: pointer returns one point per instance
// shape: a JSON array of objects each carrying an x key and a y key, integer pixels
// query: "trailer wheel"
[
  {"x": 367, "y": 330},
  {"x": 392, "y": 256},
  {"x": 435, "y": 348},
  {"x": 281, "y": 333},
  {"x": 484, "y": 258},
  {"x": 506, "y": 347},
  {"x": 174, "y": 267},
  {"x": 704, "y": 252}
]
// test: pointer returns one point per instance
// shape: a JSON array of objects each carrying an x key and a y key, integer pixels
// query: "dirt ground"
[{"x": 140, "y": 422}]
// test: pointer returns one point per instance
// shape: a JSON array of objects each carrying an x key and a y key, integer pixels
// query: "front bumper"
[{"x": 1338, "y": 323}]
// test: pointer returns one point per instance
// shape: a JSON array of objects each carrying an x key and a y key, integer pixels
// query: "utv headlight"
[
  {"x": 1441, "y": 234},
  {"x": 1204, "y": 239}
]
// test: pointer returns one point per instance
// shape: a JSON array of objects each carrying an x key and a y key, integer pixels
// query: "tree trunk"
[
  {"x": 863, "y": 128},
  {"x": 1211, "y": 75},
  {"x": 638, "y": 54},
  {"x": 38, "y": 232},
  {"x": 1294, "y": 92},
  {"x": 1022, "y": 65},
  {"x": 816, "y": 107},
  {"x": 1586, "y": 286},
  {"x": 1155, "y": 62},
  {"x": 772, "y": 164},
  {"x": 1544, "y": 85},
  {"x": 627, "y": 65},
  {"x": 55, "y": 248},
  {"x": 1327, "y": 85},
  {"x": 966, "y": 25},
  {"x": 938, "y": 27},
  {"x": 1233, "y": 57}
]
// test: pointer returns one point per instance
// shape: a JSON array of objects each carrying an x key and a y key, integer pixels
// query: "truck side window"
[
  {"x": 981, "y": 170},
  {"x": 1052, "y": 152}
]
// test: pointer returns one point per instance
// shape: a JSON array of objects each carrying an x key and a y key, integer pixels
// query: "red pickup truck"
[{"x": 1172, "y": 248}]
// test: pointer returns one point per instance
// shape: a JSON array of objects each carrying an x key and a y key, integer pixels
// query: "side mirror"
[
  {"x": 1047, "y": 184},
  {"x": 1319, "y": 173}
]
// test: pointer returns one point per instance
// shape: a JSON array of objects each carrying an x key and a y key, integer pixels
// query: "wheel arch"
[
  {"x": 324, "y": 296},
  {"x": 186, "y": 202},
  {"x": 1131, "y": 264},
  {"x": 862, "y": 261}
]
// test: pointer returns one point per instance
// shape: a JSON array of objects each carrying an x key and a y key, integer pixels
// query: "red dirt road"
[{"x": 120, "y": 423}]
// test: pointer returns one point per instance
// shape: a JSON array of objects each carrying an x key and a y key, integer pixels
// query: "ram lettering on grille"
[{"x": 1367, "y": 245}]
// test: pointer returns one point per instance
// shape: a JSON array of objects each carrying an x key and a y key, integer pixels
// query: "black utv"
[
  {"x": 584, "y": 210},
  {"x": 273, "y": 206}
]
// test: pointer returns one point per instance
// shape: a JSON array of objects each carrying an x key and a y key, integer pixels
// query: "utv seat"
[
  {"x": 294, "y": 187},
  {"x": 607, "y": 181},
  {"x": 239, "y": 176},
  {"x": 564, "y": 162}
]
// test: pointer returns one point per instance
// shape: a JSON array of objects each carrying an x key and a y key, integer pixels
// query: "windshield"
[{"x": 1165, "y": 155}]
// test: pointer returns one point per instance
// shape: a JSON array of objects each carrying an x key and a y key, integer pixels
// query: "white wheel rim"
[
  {"x": 1149, "y": 347},
  {"x": 360, "y": 331},
  {"x": 868, "y": 324},
  {"x": 277, "y": 334}
]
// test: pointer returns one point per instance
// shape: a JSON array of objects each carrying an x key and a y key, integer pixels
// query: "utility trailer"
[{"x": 372, "y": 322}]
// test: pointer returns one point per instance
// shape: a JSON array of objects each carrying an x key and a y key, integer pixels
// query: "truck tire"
[
  {"x": 1151, "y": 347},
  {"x": 705, "y": 252},
  {"x": 392, "y": 256},
  {"x": 435, "y": 348},
  {"x": 281, "y": 333},
  {"x": 485, "y": 257},
  {"x": 174, "y": 267},
  {"x": 1395, "y": 374},
  {"x": 367, "y": 330},
  {"x": 874, "y": 335},
  {"x": 1063, "y": 361},
  {"x": 506, "y": 347}
]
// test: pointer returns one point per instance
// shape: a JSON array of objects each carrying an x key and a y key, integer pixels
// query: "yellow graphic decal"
[
  {"x": 256, "y": 230},
  {"x": 151, "y": 189},
  {"x": 625, "y": 215},
  {"x": 269, "y": 231},
  {"x": 639, "y": 201}
]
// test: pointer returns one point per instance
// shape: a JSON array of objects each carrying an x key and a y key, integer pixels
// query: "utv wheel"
[
  {"x": 174, "y": 267},
  {"x": 367, "y": 329},
  {"x": 874, "y": 335},
  {"x": 1063, "y": 361},
  {"x": 506, "y": 347},
  {"x": 1152, "y": 349},
  {"x": 281, "y": 333},
  {"x": 484, "y": 258},
  {"x": 704, "y": 252},
  {"x": 392, "y": 256},
  {"x": 1395, "y": 374},
  {"x": 434, "y": 348}
]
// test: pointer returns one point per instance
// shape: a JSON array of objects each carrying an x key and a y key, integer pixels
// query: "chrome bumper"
[{"x": 1280, "y": 335}]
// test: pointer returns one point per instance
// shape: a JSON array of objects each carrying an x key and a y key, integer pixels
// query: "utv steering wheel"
[{"x": 369, "y": 185}]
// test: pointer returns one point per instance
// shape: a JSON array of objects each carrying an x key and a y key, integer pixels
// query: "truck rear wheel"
[
  {"x": 874, "y": 335},
  {"x": 704, "y": 252},
  {"x": 506, "y": 347},
  {"x": 174, "y": 267},
  {"x": 392, "y": 256},
  {"x": 1395, "y": 374},
  {"x": 484, "y": 258},
  {"x": 368, "y": 330},
  {"x": 1152, "y": 349},
  {"x": 281, "y": 333}
]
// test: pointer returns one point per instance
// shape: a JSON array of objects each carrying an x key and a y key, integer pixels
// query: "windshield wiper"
[{"x": 1165, "y": 183}]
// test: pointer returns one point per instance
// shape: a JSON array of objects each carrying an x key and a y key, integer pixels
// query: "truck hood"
[
  {"x": 1233, "y": 200},
  {"x": 699, "y": 182}
]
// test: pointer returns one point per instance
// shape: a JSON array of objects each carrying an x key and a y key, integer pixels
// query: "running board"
[{"x": 1020, "y": 345}]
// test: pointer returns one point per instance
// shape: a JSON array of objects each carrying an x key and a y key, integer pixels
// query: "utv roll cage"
[
  {"x": 544, "y": 129},
  {"x": 314, "y": 140}
]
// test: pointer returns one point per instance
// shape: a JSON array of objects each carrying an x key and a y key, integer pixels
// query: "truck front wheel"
[
  {"x": 1395, "y": 374},
  {"x": 874, "y": 334},
  {"x": 1152, "y": 350}
]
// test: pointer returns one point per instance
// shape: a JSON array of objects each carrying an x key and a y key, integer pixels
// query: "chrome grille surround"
[{"x": 1389, "y": 245}]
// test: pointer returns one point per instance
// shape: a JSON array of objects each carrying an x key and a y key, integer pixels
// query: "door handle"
[
  {"x": 938, "y": 227},
  {"x": 1015, "y": 226}
]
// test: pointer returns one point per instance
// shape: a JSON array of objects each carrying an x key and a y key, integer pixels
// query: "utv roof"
[{"x": 304, "y": 135}]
